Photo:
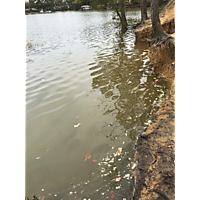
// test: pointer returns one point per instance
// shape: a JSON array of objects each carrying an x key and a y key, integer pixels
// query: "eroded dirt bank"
[{"x": 155, "y": 149}]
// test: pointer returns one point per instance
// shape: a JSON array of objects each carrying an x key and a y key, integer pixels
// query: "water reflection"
[{"x": 93, "y": 62}]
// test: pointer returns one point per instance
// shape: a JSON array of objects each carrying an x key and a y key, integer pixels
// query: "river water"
[{"x": 82, "y": 72}]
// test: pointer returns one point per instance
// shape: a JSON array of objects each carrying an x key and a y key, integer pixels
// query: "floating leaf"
[
  {"x": 113, "y": 197},
  {"x": 87, "y": 156},
  {"x": 94, "y": 161},
  {"x": 119, "y": 153},
  {"x": 47, "y": 150},
  {"x": 117, "y": 176},
  {"x": 76, "y": 117},
  {"x": 95, "y": 100},
  {"x": 153, "y": 105},
  {"x": 94, "y": 135},
  {"x": 74, "y": 178},
  {"x": 122, "y": 118}
]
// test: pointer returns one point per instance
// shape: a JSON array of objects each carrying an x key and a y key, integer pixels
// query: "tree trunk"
[
  {"x": 156, "y": 25},
  {"x": 123, "y": 16},
  {"x": 143, "y": 6},
  {"x": 159, "y": 35}
]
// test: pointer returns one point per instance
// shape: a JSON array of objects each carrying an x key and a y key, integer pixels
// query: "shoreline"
[{"x": 154, "y": 160}]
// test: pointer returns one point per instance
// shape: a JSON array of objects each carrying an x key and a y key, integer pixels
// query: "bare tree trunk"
[
  {"x": 123, "y": 16},
  {"x": 156, "y": 25},
  {"x": 143, "y": 6},
  {"x": 159, "y": 35}
]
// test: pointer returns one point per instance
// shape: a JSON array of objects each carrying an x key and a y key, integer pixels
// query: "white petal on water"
[
  {"x": 102, "y": 193},
  {"x": 112, "y": 147},
  {"x": 117, "y": 187},
  {"x": 120, "y": 149},
  {"x": 123, "y": 142},
  {"x": 42, "y": 190},
  {"x": 114, "y": 168},
  {"x": 127, "y": 176},
  {"x": 38, "y": 158}
]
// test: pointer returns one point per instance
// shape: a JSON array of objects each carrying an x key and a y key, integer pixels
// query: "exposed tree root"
[{"x": 163, "y": 39}]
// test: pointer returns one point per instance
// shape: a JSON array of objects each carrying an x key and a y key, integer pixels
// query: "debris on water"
[
  {"x": 76, "y": 117},
  {"x": 47, "y": 150},
  {"x": 110, "y": 124},
  {"x": 77, "y": 125},
  {"x": 42, "y": 190},
  {"x": 113, "y": 197},
  {"x": 129, "y": 118},
  {"x": 112, "y": 147},
  {"x": 94, "y": 161},
  {"x": 119, "y": 153},
  {"x": 95, "y": 100},
  {"x": 38, "y": 158},
  {"x": 102, "y": 193},
  {"x": 87, "y": 156},
  {"x": 94, "y": 135}
]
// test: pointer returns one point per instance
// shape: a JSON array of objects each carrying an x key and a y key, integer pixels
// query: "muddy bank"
[
  {"x": 154, "y": 160},
  {"x": 167, "y": 20},
  {"x": 155, "y": 156}
]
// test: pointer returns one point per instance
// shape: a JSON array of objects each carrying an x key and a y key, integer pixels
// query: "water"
[{"x": 80, "y": 69}]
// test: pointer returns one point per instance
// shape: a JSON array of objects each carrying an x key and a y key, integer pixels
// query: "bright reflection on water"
[{"x": 80, "y": 69}]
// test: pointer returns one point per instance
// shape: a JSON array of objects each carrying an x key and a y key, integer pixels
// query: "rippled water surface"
[{"x": 80, "y": 69}]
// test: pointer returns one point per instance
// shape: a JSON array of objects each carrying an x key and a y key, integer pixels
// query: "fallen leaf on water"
[
  {"x": 113, "y": 197},
  {"x": 169, "y": 146},
  {"x": 76, "y": 117},
  {"x": 104, "y": 169},
  {"x": 94, "y": 161},
  {"x": 117, "y": 176},
  {"x": 153, "y": 105},
  {"x": 74, "y": 178},
  {"x": 43, "y": 198},
  {"x": 47, "y": 150},
  {"x": 119, "y": 153},
  {"x": 94, "y": 135},
  {"x": 122, "y": 118},
  {"x": 88, "y": 156},
  {"x": 95, "y": 100}
]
